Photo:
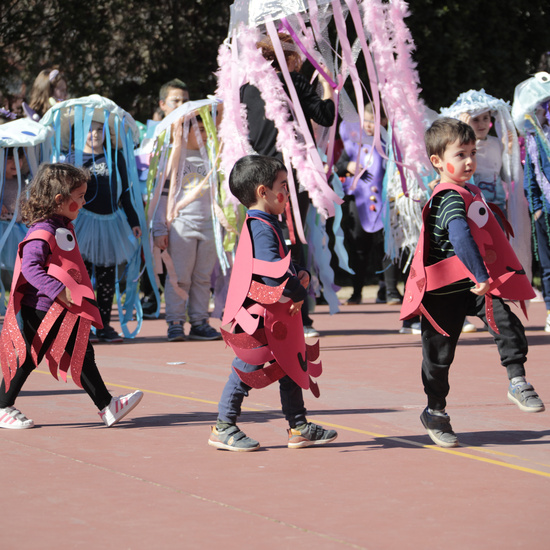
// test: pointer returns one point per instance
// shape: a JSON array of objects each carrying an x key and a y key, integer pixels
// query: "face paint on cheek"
[
  {"x": 450, "y": 168},
  {"x": 73, "y": 207},
  {"x": 280, "y": 197}
]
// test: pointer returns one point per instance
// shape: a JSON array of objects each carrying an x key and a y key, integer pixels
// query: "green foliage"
[{"x": 126, "y": 49}]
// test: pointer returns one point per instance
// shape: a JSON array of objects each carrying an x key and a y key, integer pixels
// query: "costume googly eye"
[
  {"x": 478, "y": 213},
  {"x": 65, "y": 239},
  {"x": 543, "y": 77}
]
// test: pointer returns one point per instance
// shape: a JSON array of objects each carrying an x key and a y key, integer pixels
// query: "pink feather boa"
[
  {"x": 250, "y": 66},
  {"x": 392, "y": 46}
]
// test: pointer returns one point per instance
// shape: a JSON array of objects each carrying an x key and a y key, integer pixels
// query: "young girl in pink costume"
[{"x": 53, "y": 294}]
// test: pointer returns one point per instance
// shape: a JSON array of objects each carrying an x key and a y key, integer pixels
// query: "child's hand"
[
  {"x": 351, "y": 167},
  {"x": 295, "y": 308},
  {"x": 136, "y": 231},
  {"x": 161, "y": 242},
  {"x": 465, "y": 117},
  {"x": 303, "y": 276},
  {"x": 481, "y": 288},
  {"x": 65, "y": 297}
]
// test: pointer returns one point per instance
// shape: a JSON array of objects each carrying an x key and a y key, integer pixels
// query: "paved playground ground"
[{"x": 152, "y": 482}]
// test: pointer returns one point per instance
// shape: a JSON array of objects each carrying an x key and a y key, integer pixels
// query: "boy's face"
[
  {"x": 481, "y": 124},
  {"x": 274, "y": 200},
  {"x": 174, "y": 98},
  {"x": 458, "y": 163},
  {"x": 192, "y": 142}
]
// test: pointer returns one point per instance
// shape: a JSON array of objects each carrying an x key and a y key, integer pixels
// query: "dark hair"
[
  {"x": 174, "y": 83},
  {"x": 250, "y": 172},
  {"x": 50, "y": 180},
  {"x": 443, "y": 132},
  {"x": 289, "y": 50}
]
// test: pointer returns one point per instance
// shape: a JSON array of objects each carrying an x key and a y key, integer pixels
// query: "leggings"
[
  {"x": 105, "y": 277},
  {"x": 91, "y": 378}
]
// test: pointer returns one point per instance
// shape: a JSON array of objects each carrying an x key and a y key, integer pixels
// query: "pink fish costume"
[
  {"x": 66, "y": 265},
  {"x": 506, "y": 275},
  {"x": 261, "y": 328}
]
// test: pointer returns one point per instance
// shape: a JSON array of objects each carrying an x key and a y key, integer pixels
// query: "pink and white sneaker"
[
  {"x": 119, "y": 407},
  {"x": 13, "y": 419}
]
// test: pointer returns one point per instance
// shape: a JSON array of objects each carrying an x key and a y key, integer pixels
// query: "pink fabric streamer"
[{"x": 392, "y": 46}]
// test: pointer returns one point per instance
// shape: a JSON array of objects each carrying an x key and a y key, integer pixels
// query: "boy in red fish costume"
[
  {"x": 463, "y": 265},
  {"x": 266, "y": 293}
]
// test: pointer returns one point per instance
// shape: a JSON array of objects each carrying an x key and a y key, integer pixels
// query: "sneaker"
[
  {"x": 525, "y": 397},
  {"x": 232, "y": 439},
  {"x": 204, "y": 332},
  {"x": 310, "y": 332},
  {"x": 13, "y": 419},
  {"x": 149, "y": 308},
  {"x": 119, "y": 407},
  {"x": 412, "y": 328},
  {"x": 468, "y": 327},
  {"x": 547, "y": 326},
  {"x": 93, "y": 339},
  {"x": 110, "y": 335},
  {"x": 309, "y": 434},
  {"x": 175, "y": 332},
  {"x": 439, "y": 428},
  {"x": 353, "y": 300},
  {"x": 394, "y": 301}
]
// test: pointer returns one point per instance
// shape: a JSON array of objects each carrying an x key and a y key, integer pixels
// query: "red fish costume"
[
  {"x": 279, "y": 340},
  {"x": 66, "y": 265},
  {"x": 507, "y": 278}
]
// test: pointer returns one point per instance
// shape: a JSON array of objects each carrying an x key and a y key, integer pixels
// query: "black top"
[{"x": 263, "y": 133}]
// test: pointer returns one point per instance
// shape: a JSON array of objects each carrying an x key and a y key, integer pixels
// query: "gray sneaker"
[
  {"x": 439, "y": 429},
  {"x": 204, "y": 332},
  {"x": 175, "y": 332},
  {"x": 525, "y": 397},
  {"x": 232, "y": 439}
]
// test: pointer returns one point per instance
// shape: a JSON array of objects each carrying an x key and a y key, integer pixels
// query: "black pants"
[
  {"x": 91, "y": 379},
  {"x": 449, "y": 312}
]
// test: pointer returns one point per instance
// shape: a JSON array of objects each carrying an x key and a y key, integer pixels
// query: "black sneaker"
[
  {"x": 204, "y": 332},
  {"x": 439, "y": 428},
  {"x": 175, "y": 332},
  {"x": 309, "y": 434},
  {"x": 525, "y": 397},
  {"x": 110, "y": 335},
  {"x": 232, "y": 439}
]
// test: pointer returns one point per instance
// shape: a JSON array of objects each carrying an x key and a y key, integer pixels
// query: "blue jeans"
[
  {"x": 543, "y": 248},
  {"x": 229, "y": 407}
]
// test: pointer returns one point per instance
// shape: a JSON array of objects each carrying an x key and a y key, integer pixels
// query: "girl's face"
[
  {"x": 95, "y": 138},
  {"x": 11, "y": 170},
  {"x": 71, "y": 206},
  {"x": 481, "y": 124},
  {"x": 60, "y": 91}
]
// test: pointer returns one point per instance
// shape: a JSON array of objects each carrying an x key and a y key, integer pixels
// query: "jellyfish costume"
[{"x": 106, "y": 239}]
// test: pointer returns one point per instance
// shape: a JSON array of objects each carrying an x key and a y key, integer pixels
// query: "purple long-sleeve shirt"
[{"x": 42, "y": 289}]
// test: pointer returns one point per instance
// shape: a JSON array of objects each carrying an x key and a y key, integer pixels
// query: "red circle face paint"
[
  {"x": 450, "y": 168},
  {"x": 73, "y": 207},
  {"x": 280, "y": 197}
]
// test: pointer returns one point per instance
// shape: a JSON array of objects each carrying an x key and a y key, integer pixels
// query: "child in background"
[
  {"x": 365, "y": 234},
  {"x": 48, "y": 89},
  {"x": 260, "y": 184},
  {"x": 188, "y": 235},
  {"x": 445, "y": 295},
  {"x": 102, "y": 215},
  {"x": 52, "y": 291}
]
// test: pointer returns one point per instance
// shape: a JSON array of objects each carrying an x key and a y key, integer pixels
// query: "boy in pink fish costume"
[
  {"x": 463, "y": 265},
  {"x": 266, "y": 293}
]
